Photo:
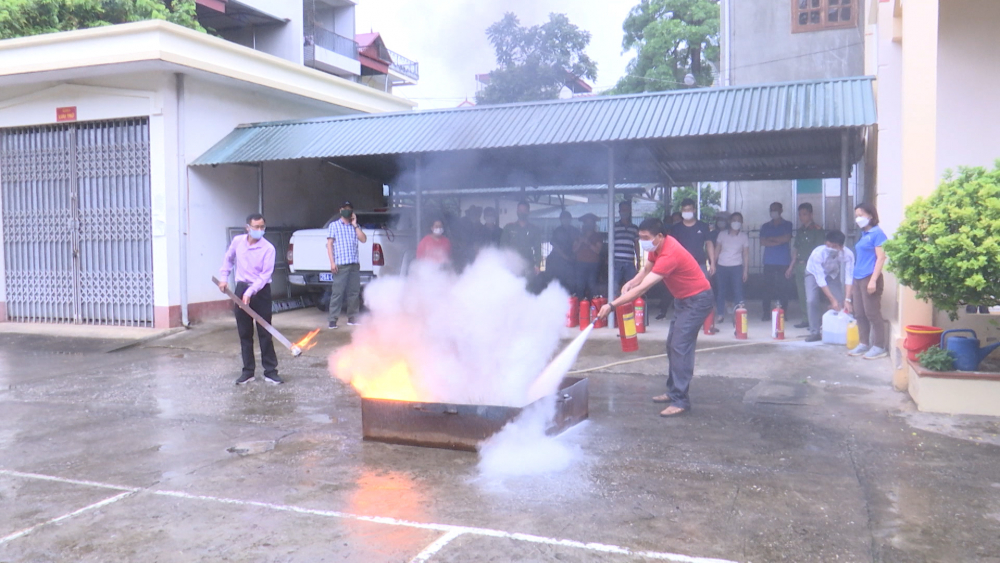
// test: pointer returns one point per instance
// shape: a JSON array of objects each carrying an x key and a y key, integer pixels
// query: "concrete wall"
[
  {"x": 968, "y": 132},
  {"x": 764, "y": 49},
  {"x": 296, "y": 193},
  {"x": 285, "y": 40},
  {"x": 968, "y": 84}
]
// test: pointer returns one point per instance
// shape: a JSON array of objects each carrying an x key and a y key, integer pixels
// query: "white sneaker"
[
  {"x": 859, "y": 350},
  {"x": 876, "y": 353}
]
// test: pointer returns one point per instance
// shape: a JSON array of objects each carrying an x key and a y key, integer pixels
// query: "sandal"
[
  {"x": 673, "y": 411},
  {"x": 661, "y": 399}
]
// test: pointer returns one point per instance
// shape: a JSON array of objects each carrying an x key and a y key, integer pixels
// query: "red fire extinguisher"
[
  {"x": 709, "y": 323},
  {"x": 595, "y": 306},
  {"x": 740, "y": 321},
  {"x": 573, "y": 315},
  {"x": 584, "y": 314},
  {"x": 778, "y": 323},
  {"x": 640, "y": 314},
  {"x": 625, "y": 315}
]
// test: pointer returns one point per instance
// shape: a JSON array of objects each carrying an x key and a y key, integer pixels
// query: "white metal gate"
[{"x": 77, "y": 223}]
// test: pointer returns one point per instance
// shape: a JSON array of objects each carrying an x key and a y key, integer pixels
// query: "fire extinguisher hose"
[{"x": 656, "y": 356}]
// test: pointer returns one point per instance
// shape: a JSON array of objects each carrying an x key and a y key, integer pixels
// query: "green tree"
[
  {"x": 534, "y": 63},
  {"x": 21, "y": 18},
  {"x": 711, "y": 201},
  {"x": 671, "y": 39},
  {"x": 947, "y": 245}
]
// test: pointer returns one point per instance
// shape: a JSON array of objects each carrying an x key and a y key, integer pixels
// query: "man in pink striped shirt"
[{"x": 253, "y": 257}]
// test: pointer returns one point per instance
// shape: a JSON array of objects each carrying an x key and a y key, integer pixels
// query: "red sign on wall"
[{"x": 66, "y": 114}]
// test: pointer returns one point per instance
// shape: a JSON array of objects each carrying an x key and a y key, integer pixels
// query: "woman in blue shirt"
[{"x": 866, "y": 296}]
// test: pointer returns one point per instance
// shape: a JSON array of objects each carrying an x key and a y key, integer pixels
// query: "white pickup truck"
[{"x": 388, "y": 251}]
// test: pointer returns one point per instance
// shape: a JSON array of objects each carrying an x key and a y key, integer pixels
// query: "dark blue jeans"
[
  {"x": 586, "y": 281},
  {"x": 689, "y": 316},
  {"x": 729, "y": 280},
  {"x": 624, "y": 271}
]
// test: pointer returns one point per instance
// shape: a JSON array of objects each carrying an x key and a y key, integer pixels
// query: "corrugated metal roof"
[
  {"x": 767, "y": 108},
  {"x": 599, "y": 189}
]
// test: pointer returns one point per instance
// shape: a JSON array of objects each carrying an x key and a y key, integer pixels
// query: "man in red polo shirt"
[{"x": 693, "y": 300}]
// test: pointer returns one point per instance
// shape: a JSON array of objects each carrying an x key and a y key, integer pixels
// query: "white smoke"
[{"x": 478, "y": 338}]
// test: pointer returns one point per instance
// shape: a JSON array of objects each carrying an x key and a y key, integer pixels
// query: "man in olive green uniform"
[{"x": 809, "y": 236}]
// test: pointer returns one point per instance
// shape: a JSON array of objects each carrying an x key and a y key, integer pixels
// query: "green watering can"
[{"x": 966, "y": 351}]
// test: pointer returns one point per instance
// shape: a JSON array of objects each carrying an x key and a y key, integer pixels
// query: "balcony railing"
[
  {"x": 404, "y": 66},
  {"x": 337, "y": 43}
]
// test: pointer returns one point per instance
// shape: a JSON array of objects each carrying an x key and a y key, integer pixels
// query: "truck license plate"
[{"x": 326, "y": 277}]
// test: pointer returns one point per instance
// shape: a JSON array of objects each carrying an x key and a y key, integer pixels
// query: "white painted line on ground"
[
  {"x": 65, "y": 480},
  {"x": 435, "y": 547},
  {"x": 451, "y": 531},
  {"x": 58, "y": 519}
]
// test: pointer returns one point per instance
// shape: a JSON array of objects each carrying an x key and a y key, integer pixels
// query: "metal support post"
[
  {"x": 845, "y": 172},
  {"x": 419, "y": 203},
  {"x": 611, "y": 223}
]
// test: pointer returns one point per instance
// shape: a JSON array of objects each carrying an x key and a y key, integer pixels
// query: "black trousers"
[
  {"x": 261, "y": 304},
  {"x": 777, "y": 288}
]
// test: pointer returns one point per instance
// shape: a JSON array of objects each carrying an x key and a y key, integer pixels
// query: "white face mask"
[
  {"x": 438, "y": 231},
  {"x": 256, "y": 234},
  {"x": 736, "y": 225},
  {"x": 647, "y": 245},
  {"x": 687, "y": 215},
  {"x": 775, "y": 215},
  {"x": 862, "y": 221}
]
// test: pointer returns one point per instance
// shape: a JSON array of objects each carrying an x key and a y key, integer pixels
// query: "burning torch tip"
[{"x": 296, "y": 351}]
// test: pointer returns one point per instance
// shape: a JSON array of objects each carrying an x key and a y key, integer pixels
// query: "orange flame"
[
  {"x": 306, "y": 342},
  {"x": 372, "y": 380}
]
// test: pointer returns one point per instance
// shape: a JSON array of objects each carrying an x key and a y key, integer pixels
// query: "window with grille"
[{"x": 816, "y": 15}]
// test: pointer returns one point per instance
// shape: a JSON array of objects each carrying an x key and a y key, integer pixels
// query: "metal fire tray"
[{"x": 461, "y": 427}]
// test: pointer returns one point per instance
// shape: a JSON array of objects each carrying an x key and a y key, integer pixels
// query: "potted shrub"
[
  {"x": 947, "y": 247},
  {"x": 936, "y": 359}
]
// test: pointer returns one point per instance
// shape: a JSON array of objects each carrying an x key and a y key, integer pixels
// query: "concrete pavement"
[{"x": 793, "y": 452}]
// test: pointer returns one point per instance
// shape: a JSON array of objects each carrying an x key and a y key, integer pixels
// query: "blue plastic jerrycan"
[{"x": 967, "y": 352}]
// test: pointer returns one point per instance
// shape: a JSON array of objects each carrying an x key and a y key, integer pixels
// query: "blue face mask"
[{"x": 256, "y": 234}]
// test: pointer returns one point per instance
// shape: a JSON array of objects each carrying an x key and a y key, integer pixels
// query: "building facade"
[
  {"x": 938, "y": 69},
  {"x": 102, "y": 220},
  {"x": 763, "y": 41}
]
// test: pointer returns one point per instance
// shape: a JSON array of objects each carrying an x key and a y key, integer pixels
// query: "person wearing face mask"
[
  {"x": 670, "y": 263},
  {"x": 587, "y": 249},
  {"x": 560, "y": 264},
  {"x": 491, "y": 232},
  {"x": 525, "y": 239},
  {"x": 807, "y": 238},
  {"x": 866, "y": 295},
  {"x": 775, "y": 236},
  {"x": 695, "y": 236},
  {"x": 435, "y": 247},
  {"x": 253, "y": 257},
  {"x": 732, "y": 256},
  {"x": 830, "y": 274},
  {"x": 721, "y": 225},
  {"x": 342, "y": 238}
]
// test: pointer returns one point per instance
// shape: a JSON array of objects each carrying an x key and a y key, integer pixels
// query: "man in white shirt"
[{"x": 830, "y": 273}]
